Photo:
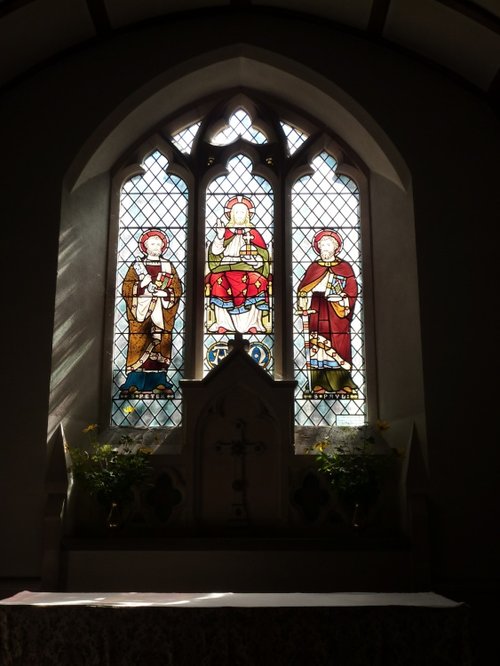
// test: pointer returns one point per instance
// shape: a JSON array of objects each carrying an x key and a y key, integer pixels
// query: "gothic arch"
[
  {"x": 85, "y": 214},
  {"x": 250, "y": 67}
]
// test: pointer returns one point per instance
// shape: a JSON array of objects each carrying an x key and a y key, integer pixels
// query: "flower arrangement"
[
  {"x": 352, "y": 465},
  {"x": 110, "y": 472}
]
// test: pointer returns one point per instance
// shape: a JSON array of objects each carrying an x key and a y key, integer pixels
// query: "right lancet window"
[{"x": 327, "y": 281}]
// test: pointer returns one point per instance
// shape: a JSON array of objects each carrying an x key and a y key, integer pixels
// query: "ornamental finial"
[{"x": 238, "y": 343}]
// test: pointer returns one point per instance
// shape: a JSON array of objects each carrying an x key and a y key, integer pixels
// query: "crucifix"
[
  {"x": 239, "y": 449},
  {"x": 248, "y": 250}
]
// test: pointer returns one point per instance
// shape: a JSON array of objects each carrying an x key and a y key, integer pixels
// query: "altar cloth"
[
  {"x": 231, "y": 599},
  {"x": 233, "y": 629}
]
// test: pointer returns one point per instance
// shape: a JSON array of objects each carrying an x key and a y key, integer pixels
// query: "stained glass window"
[
  {"x": 242, "y": 187},
  {"x": 238, "y": 273},
  {"x": 184, "y": 140},
  {"x": 294, "y": 137},
  {"x": 327, "y": 279},
  {"x": 240, "y": 126},
  {"x": 149, "y": 303}
]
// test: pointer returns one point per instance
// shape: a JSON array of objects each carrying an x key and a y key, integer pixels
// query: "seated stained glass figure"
[
  {"x": 238, "y": 278},
  {"x": 327, "y": 295},
  {"x": 151, "y": 290}
]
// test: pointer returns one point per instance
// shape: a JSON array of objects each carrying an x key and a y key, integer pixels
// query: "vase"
[
  {"x": 118, "y": 513},
  {"x": 360, "y": 515},
  {"x": 356, "y": 516},
  {"x": 356, "y": 512},
  {"x": 114, "y": 517}
]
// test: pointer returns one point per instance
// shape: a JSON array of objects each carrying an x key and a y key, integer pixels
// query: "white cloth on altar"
[{"x": 230, "y": 599}]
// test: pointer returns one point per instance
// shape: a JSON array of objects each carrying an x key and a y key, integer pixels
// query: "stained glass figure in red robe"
[
  {"x": 326, "y": 298},
  {"x": 238, "y": 281},
  {"x": 151, "y": 290}
]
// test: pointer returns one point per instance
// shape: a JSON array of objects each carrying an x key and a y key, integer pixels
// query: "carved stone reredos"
[
  {"x": 238, "y": 441},
  {"x": 238, "y": 388}
]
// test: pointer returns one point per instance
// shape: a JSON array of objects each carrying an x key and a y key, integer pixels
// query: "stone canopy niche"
[{"x": 238, "y": 441}]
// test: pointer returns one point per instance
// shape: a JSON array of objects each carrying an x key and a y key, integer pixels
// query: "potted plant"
[
  {"x": 353, "y": 468},
  {"x": 111, "y": 472}
]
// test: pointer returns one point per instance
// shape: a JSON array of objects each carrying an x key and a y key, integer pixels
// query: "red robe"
[
  {"x": 332, "y": 320},
  {"x": 239, "y": 285}
]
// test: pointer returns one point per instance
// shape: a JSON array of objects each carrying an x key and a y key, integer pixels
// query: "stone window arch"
[{"x": 305, "y": 104}]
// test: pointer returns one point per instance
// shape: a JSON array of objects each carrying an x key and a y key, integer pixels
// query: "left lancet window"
[{"x": 149, "y": 304}]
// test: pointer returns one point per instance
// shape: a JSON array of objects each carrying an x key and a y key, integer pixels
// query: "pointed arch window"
[
  {"x": 327, "y": 273},
  {"x": 260, "y": 221},
  {"x": 148, "y": 350},
  {"x": 239, "y": 268}
]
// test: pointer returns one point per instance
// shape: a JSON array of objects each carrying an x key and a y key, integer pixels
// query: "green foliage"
[
  {"x": 110, "y": 472},
  {"x": 353, "y": 473},
  {"x": 353, "y": 469}
]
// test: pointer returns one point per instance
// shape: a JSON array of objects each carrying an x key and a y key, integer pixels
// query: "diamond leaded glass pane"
[
  {"x": 148, "y": 356},
  {"x": 238, "y": 269},
  {"x": 327, "y": 282},
  {"x": 239, "y": 126},
  {"x": 294, "y": 137},
  {"x": 184, "y": 140}
]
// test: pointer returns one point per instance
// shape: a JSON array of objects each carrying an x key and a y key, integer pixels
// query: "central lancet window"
[
  {"x": 250, "y": 218},
  {"x": 238, "y": 276}
]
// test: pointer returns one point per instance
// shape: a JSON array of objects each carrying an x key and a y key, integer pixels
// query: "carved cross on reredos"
[{"x": 239, "y": 449}]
